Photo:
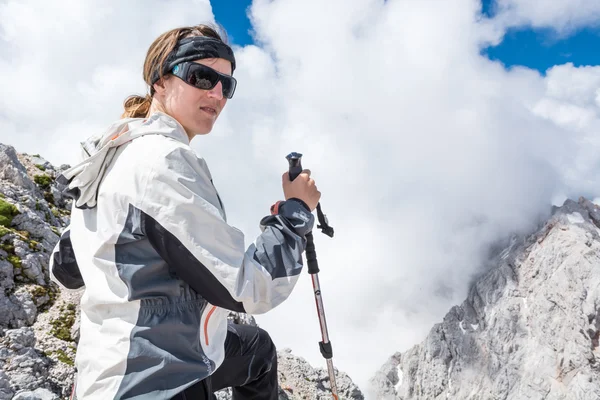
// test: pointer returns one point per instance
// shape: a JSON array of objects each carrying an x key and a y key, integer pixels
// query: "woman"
[{"x": 149, "y": 243}]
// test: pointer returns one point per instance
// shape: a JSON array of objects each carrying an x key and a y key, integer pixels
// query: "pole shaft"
[
  {"x": 324, "y": 332},
  {"x": 334, "y": 390},
  {"x": 320, "y": 308}
]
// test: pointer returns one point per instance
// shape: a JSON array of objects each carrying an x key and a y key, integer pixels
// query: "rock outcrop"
[
  {"x": 529, "y": 328},
  {"x": 39, "y": 327},
  {"x": 32, "y": 214}
]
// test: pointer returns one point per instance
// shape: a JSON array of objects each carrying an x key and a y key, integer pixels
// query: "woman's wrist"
[{"x": 275, "y": 207}]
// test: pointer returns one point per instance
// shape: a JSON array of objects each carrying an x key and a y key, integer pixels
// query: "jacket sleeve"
[
  {"x": 64, "y": 270},
  {"x": 181, "y": 218}
]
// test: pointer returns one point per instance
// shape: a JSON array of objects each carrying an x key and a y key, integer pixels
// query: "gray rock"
[
  {"x": 6, "y": 393},
  {"x": 75, "y": 329},
  {"x": 19, "y": 339},
  {"x": 13, "y": 314},
  {"x": 6, "y": 273},
  {"x": 37, "y": 160},
  {"x": 61, "y": 352},
  {"x": 10, "y": 191},
  {"x": 30, "y": 201},
  {"x": 527, "y": 330},
  {"x": 59, "y": 199},
  {"x": 299, "y": 380},
  {"x": 6, "y": 310},
  {"x": 35, "y": 268},
  {"x": 23, "y": 298},
  {"x": 12, "y": 170},
  {"x": 37, "y": 394},
  {"x": 25, "y": 367},
  {"x": 33, "y": 265},
  {"x": 31, "y": 222}
]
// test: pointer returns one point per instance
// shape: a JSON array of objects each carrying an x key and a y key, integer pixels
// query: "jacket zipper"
[{"x": 212, "y": 310}]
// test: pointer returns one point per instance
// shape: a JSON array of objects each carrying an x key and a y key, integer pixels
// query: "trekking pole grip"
[{"x": 295, "y": 161}]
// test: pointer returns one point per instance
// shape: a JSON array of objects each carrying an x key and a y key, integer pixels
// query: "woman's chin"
[
  {"x": 200, "y": 129},
  {"x": 204, "y": 130}
]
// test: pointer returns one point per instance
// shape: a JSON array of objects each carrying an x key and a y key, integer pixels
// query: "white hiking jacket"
[{"x": 160, "y": 267}]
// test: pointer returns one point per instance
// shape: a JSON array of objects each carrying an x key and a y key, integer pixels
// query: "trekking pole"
[{"x": 294, "y": 160}]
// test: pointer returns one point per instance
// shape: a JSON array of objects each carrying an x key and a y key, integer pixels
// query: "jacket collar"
[{"x": 83, "y": 179}]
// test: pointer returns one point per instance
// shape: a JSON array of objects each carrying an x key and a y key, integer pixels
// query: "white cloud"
[
  {"x": 425, "y": 151},
  {"x": 571, "y": 102},
  {"x": 564, "y": 16}
]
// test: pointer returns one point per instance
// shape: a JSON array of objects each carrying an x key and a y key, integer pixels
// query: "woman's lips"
[{"x": 209, "y": 110}]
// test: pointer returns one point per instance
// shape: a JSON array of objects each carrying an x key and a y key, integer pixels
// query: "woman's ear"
[{"x": 159, "y": 85}]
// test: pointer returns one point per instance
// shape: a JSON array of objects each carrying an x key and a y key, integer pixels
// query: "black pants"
[{"x": 249, "y": 368}]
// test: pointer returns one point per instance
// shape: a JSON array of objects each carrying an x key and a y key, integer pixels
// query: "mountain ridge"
[{"x": 528, "y": 329}]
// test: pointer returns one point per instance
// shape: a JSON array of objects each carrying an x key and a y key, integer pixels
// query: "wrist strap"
[{"x": 275, "y": 208}]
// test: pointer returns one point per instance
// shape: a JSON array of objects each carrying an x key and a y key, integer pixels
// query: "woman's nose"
[{"x": 217, "y": 91}]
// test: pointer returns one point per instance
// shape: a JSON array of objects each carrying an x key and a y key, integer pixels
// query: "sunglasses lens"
[
  {"x": 202, "y": 78},
  {"x": 228, "y": 86},
  {"x": 206, "y": 78}
]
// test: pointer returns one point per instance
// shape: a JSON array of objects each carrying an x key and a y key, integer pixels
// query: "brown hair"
[{"x": 138, "y": 106}]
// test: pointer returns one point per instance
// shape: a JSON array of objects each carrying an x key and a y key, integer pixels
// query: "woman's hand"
[{"x": 303, "y": 188}]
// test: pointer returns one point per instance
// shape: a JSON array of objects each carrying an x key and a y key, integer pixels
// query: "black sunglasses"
[{"x": 204, "y": 77}]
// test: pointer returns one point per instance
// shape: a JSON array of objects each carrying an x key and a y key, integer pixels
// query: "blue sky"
[
  {"x": 232, "y": 15},
  {"x": 537, "y": 49},
  {"x": 541, "y": 48}
]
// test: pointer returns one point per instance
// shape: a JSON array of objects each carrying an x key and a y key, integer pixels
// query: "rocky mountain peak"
[{"x": 528, "y": 329}]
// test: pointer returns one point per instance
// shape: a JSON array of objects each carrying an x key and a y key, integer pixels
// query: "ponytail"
[{"x": 137, "y": 106}]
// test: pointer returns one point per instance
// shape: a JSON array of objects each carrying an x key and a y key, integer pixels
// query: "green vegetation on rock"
[
  {"x": 7, "y": 212},
  {"x": 63, "y": 357},
  {"x": 61, "y": 327},
  {"x": 38, "y": 291},
  {"x": 7, "y": 247},
  {"x": 33, "y": 245},
  {"x": 15, "y": 261},
  {"x": 12, "y": 257},
  {"x": 43, "y": 181},
  {"x": 4, "y": 231},
  {"x": 40, "y": 167},
  {"x": 49, "y": 197},
  {"x": 42, "y": 297}
]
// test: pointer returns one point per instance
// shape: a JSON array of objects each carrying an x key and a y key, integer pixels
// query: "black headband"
[{"x": 195, "y": 48}]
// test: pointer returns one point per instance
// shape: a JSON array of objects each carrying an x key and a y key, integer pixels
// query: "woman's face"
[{"x": 195, "y": 109}]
